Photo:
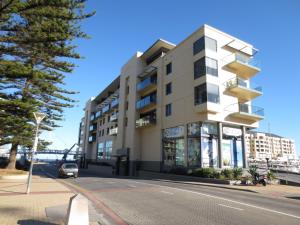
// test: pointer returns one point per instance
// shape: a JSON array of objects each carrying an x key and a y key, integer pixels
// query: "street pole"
[{"x": 38, "y": 117}]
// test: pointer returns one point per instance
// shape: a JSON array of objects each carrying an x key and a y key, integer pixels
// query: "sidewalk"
[
  {"x": 275, "y": 190},
  {"x": 46, "y": 204}
]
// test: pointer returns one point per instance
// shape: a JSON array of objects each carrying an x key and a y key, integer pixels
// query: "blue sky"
[{"x": 120, "y": 28}]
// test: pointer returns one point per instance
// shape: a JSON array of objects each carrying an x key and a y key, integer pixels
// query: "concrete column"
[
  {"x": 220, "y": 134},
  {"x": 244, "y": 147}
]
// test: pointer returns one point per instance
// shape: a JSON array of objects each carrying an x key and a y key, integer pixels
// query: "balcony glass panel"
[
  {"x": 113, "y": 117},
  {"x": 246, "y": 60},
  {"x": 98, "y": 114},
  {"x": 150, "y": 119},
  {"x": 114, "y": 103},
  {"x": 146, "y": 101},
  {"x": 105, "y": 109},
  {"x": 250, "y": 109},
  {"x": 145, "y": 83},
  {"x": 242, "y": 83}
]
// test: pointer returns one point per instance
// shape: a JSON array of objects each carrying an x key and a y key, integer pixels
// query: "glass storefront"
[{"x": 173, "y": 147}]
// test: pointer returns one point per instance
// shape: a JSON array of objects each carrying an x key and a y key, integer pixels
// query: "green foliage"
[
  {"x": 253, "y": 170},
  {"x": 237, "y": 173},
  {"x": 270, "y": 175},
  {"x": 35, "y": 55},
  {"x": 205, "y": 172},
  {"x": 227, "y": 173}
]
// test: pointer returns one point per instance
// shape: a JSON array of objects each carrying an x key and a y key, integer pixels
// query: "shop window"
[
  {"x": 100, "y": 153},
  {"x": 194, "y": 152},
  {"x": 108, "y": 149}
]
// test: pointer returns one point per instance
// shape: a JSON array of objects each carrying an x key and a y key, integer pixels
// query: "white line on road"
[
  {"x": 133, "y": 186},
  {"x": 227, "y": 206},
  {"x": 224, "y": 199},
  {"x": 166, "y": 192}
]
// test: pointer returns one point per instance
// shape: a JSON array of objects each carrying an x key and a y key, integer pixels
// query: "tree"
[{"x": 35, "y": 50}]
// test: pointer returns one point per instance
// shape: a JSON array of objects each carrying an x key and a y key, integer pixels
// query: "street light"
[{"x": 38, "y": 118}]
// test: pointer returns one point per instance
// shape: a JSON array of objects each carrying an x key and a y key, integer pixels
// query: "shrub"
[
  {"x": 253, "y": 170},
  {"x": 237, "y": 173},
  {"x": 227, "y": 173},
  {"x": 271, "y": 176},
  {"x": 205, "y": 172}
]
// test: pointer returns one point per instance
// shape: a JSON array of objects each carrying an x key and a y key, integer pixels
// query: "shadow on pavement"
[
  {"x": 38, "y": 222},
  {"x": 293, "y": 197}
]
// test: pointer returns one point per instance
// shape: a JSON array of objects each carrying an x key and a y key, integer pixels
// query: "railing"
[
  {"x": 114, "y": 103},
  {"x": 113, "y": 117},
  {"x": 237, "y": 57},
  {"x": 92, "y": 117},
  {"x": 92, "y": 138},
  {"x": 105, "y": 109},
  {"x": 245, "y": 108},
  {"x": 92, "y": 127},
  {"x": 146, "y": 101},
  {"x": 113, "y": 131},
  {"x": 150, "y": 119},
  {"x": 238, "y": 82},
  {"x": 145, "y": 83},
  {"x": 98, "y": 114}
]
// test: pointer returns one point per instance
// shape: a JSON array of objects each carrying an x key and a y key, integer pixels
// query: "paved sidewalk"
[{"x": 45, "y": 205}]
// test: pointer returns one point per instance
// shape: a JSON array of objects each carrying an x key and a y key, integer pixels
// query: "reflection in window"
[
  {"x": 100, "y": 153},
  {"x": 205, "y": 66},
  {"x": 206, "y": 93},
  {"x": 108, "y": 149},
  {"x": 194, "y": 152}
]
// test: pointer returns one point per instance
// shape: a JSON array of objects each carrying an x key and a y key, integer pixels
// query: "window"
[
  {"x": 204, "y": 43},
  {"x": 169, "y": 68},
  {"x": 198, "y": 45},
  {"x": 108, "y": 149},
  {"x": 100, "y": 153},
  {"x": 107, "y": 131},
  {"x": 206, "y": 93},
  {"x": 168, "y": 109},
  {"x": 205, "y": 66},
  {"x": 168, "y": 88}
]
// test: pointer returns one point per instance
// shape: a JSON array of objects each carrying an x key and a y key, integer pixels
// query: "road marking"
[
  {"x": 110, "y": 182},
  {"x": 224, "y": 199},
  {"x": 227, "y": 206},
  {"x": 133, "y": 186},
  {"x": 166, "y": 192}
]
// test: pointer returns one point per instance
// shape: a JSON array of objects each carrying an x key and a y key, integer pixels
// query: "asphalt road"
[{"x": 141, "y": 201}]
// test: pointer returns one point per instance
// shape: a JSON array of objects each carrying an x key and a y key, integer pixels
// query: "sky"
[{"x": 120, "y": 28}]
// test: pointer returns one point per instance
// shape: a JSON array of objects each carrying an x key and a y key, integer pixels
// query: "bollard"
[{"x": 78, "y": 211}]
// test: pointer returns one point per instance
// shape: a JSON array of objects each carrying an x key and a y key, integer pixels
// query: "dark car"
[{"x": 68, "y": 170}]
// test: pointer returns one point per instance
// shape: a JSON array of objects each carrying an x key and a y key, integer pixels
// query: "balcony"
[
  {"x": 244, "y": 66},
  {"x": 146, "y": 102},
  {"x": 114, "y": 103},
  {"x": 113, "y": 131},
  {"x": 98, "y": 114},
  {"x": 246, "y": 112},
  {"x": 113, "y": 117},
  {"x": 145, "y": 121},
  {"x": 243, "y": 90},
  {"x": 92, "y": 138},
  {"x": 92, "y": 117},
  {"x": 106, "y": 109},
  {"x": 93, "y": 128},
  {"x": 147, "y": 84}
]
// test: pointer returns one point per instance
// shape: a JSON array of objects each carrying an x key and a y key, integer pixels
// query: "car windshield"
[{"x": 70, "y": 166}]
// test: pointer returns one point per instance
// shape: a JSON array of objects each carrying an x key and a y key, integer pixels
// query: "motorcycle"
[{"x": 260, "y": 179}]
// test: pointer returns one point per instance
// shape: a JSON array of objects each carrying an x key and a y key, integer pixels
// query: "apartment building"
[
  {"x": 266, "y": 145},
  {"x": 177, "y": 105}
]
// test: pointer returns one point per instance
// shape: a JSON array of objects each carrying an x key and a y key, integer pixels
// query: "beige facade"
[
  {"x": 178, "y": 105},
  {"x": 263, "y": 145}
]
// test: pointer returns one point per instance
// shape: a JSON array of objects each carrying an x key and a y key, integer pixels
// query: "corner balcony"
[
  {"x": 244, "y": 66},
  {"x": 146, "y": 102},
  {"x": 113, "y": 131},
  {"x": 243, "y": 90},
  {"x": 98, "y": 114},
  {"x": 246, "y": 112},
  {"x": 147, "y": 84},
  {"x": 145, "y": 121},
  {"x": 105, "y": 109}
]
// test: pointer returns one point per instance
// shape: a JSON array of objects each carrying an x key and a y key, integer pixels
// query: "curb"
[{"x": 14, "y": 177}]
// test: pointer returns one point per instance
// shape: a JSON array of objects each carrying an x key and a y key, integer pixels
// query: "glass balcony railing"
[
  {"x": 105, "y": 109},
  {"x": 145, "y": 121},
  {"x": 146, "y": 83},
  {"x": 92, "y": 138},
  {"x": 250, "y": 109},
  {"x": 150, "y": 99},
  {"x": 245, "y": 60},
  {"x": 93, "y": 127},
  {"x": 238, "y": 82},
  {"x": 113, "y": 131},
  {"x": 114, "y": 103},
  {"x": 98, "y": 114},
  {"x": 92, "y": 117},
  {"x": 113, "y": 117}
]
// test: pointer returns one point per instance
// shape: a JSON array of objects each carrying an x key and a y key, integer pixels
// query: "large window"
[
  {"x": 174, "y": 152},
  {"x": 108, "y": 149},
  {"x": 100, "y": 153},
  {"x": 204, "y": 42},
  {"x": 194, "y": 151},
  {"x": 205, "y": 66},
  {"x": 206, "y": 93}
]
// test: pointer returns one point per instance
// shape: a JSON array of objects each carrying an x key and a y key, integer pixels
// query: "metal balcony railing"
[{"x": 145, "y": 121}]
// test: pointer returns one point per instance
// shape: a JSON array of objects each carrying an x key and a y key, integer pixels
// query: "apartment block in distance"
[
  {"x": 262, "y": 145},
  {"x": 185, "y": 105}
]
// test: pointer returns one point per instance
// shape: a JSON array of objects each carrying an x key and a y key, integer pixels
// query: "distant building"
[{"x": 266, "y": 145}]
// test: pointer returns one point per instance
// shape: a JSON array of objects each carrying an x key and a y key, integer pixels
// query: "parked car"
[{"x": 68, "y": 170}]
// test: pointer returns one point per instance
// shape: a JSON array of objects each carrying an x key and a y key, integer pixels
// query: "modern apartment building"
[
  {"x": 177, "y": 105},
  {"x": 266, "y": 145}
]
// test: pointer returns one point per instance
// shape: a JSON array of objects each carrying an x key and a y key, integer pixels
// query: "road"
[{"x": 139, "y": 202}]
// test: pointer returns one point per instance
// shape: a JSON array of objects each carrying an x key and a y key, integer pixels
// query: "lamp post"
[{"x": 38, "y": 118}]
